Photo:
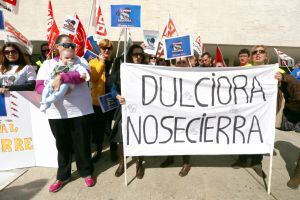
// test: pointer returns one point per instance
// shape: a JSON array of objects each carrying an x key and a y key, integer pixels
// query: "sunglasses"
[
  {"x": 106, "y": 48},
  {"x": 138, "y": 54},
  {"x": 45, "y": 50},
  {"x": 258, "y": 51},
  {"x": 67, "y": 45},
  {"x": 152, "y": 57},
  {"x": 12, "y": 52}
]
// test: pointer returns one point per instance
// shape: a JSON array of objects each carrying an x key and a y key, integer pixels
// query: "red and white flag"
[
  {"x": 100, "y": 25},
  {"x": 219, "y": 57},
  {"x": 80, "y": 39},
  {"x": 10, "y": 5},
  {"x": 199, "y": 46},
  {"x": 14, "y": 36},
  {"x": 284, "y": 59},
  {"x": 169, "y": 31},
  {"x": 52, "y": 29}
]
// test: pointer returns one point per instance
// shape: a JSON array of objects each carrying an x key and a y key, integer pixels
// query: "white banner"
[
  {"x": 198, "y": 111},
  {"x": 25, "y": 136},
  {"x": 17, "y": 150},
  {"x": 151, "y": 41},
  {"x": 13, "y": 35}
]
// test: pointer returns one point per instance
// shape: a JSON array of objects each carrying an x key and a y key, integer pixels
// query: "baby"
[{"x": 66, "y": 63}]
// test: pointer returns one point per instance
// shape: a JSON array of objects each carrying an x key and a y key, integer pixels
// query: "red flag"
[
  {"x": 12, "y": 2},
  {"x": 52, "y": 29},
  {"x": 169, "y": 31},
  {"x": 100, "y": 28},
  {"x": 219, "y": 57},
  {"x": 80, "y": 39}
]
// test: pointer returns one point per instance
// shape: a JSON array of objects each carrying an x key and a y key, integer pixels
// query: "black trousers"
[
  {"x": 98, "y": 127},
  {"x": 252, "y": 159},
  {"x": 100, "y": 124},
  {"x": 72, "y": 135}
]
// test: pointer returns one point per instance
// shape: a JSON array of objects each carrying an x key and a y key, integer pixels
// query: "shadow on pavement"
[
  {"x": 26, "y": 191},
  {"x": 195, "y": 161},
  {"x": 289, "y": 154}
]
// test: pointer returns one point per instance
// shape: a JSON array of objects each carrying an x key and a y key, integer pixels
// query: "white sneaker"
[{"x": 44, "y": 106}]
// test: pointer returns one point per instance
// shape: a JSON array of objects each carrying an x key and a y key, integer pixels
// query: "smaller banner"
[
  {"x": 70, "y": 25},
  {"x": 178, "y": 47},
  {"x": 10, "y": 5},
  {"x": 125, "y": 16},
  {"x": 151, "y": 41},
  {"x": 13, "y": 35}
]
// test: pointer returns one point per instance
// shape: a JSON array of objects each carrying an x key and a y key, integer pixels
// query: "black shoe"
[
  {"x": 259, "y": 171},
  {"x": 184, "y": 170},
  {"x": 96, "y": 157},
  {"x": 239, "y": 164}
]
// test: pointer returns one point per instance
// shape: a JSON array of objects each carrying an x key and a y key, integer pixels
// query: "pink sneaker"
[
  {"x": 56, "y": 186},
  {"x": 89, "y": 181}
]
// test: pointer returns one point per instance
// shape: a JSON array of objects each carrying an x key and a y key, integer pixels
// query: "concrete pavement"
[{"x": 210, "y": 178}]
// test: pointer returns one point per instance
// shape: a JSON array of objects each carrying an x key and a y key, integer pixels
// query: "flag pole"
[
  {"x": 118, "y": 46},
  {"x": 125, "y": 45},
  {"x": 270, "y": 171},
  {"x": 90, "y": 18},
  {"x": 125, "y": 161}
]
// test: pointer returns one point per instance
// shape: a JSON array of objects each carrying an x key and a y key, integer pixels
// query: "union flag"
[
  {"x": 100, "y": 28},
  {"x": 80, "y": 39},
  {"x": 52, "y": 29},
  {"x": 169, "y": 31}
]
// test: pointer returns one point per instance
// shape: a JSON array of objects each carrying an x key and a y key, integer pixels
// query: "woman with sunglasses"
[
  {"x": 100, "y": 68},
  {"x": 15, "y": 72},
  {"x": 135, "y": 55},
  {"x": 259, "y": 56},
  {"x": 68, "y": 117}
]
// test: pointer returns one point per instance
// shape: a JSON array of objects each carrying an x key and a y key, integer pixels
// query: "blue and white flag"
[
  {"x": 176, "y": 47},
  {"x": 125, "y": 16}
]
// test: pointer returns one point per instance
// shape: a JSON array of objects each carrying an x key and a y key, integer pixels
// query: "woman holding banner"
[
  {"x": 68, "y": 118},
  {"x": 15, "y": 72},
  {"x": 186, "y": 166},
  {"x": 259, "y": 56},
  {"x": 135, "y": 55}
]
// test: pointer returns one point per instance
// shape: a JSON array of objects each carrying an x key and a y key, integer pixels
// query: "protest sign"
[
  {"x": 10, "y": 5},
  {"x": 16, "y": 146},
  {"x": 25, "y": 136},
  {"x": 176, "y": 47},
  {"x": 108, "y": 102},
  {"x": 151, "y": 41},
  {"x": 198, "y": 111},
  {"x": 13, "y": 35},
  {"x": 70, "y": 25},
  {"x": 125, "y": 16}
]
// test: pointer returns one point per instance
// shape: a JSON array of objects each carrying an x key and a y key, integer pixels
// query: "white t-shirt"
[
  {"x": 75, "y": 104},
  {"x": 18, "y": 78}
]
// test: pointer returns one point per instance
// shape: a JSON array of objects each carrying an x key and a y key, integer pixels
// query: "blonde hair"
[
  {"x": 105, "y": 43},
  {"x": 266, "y": 52}
]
